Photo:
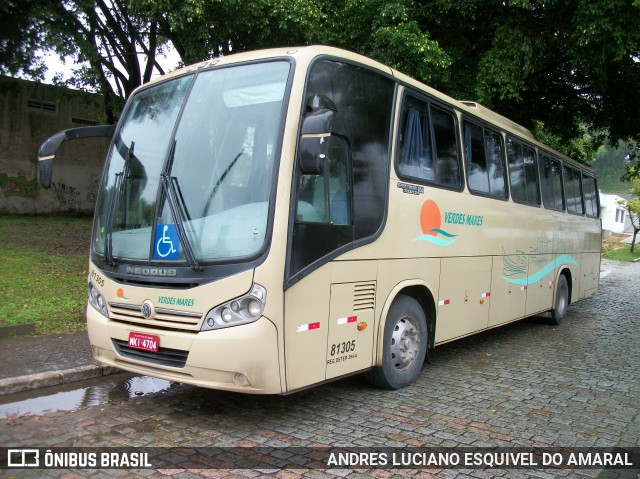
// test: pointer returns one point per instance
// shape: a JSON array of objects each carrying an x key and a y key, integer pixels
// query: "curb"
[{"x": 54, "y": 378}]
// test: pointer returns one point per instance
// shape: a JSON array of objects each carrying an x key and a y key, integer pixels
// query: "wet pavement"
[
  {"x": 42, "y": 361},
  {"x": 527, "y": 384}
]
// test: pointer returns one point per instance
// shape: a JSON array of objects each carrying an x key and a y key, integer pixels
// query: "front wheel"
[
  {"x": 559, "y": 311},
  {"x": 404, "y": 345}
]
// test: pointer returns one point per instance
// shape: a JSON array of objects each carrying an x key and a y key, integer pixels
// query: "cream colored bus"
[{"x": 273, "y": 220}]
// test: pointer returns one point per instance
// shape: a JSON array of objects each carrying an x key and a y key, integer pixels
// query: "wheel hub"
[{"x": 405, "y": 343}]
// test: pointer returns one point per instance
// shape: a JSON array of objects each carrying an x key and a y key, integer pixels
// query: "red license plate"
[{"x": 145, "y": 342}]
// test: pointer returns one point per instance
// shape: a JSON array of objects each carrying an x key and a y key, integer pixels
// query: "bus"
[{"x": 274, "y": 220}]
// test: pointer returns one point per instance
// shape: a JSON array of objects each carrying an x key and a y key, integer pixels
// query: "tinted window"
[
  {"x": 428, "y": 150},
  {"x": 522, "y": 173},
  {"x": 551, "y": 182},
  {"x": 352, "y": 186},
  {"x": 573, "y": 190},
  {"x": 484, "y": 160}
]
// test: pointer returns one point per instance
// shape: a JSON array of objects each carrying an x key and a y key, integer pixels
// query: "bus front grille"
[
  {"x": 164, "y": 357},
  {"x": 162, "y": 317}
]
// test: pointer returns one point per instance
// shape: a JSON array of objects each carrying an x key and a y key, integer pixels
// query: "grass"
[
  {"x": 43, "y": 271},
  {"x": 623, "y": 253}
]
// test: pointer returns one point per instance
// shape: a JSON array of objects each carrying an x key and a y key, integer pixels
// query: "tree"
[
  {"x": 568, "y": 64},
  {"x": 114, "y": 43},
  {"x": 558, "y": 67},
  {"x": 384, "y": 30},
  {"x": 609, "y": 165},
  {"x": 633, "y": 208},
  {"x": 20, "y": 37}
]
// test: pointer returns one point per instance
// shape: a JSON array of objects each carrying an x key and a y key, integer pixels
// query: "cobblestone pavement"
[{"x": 525, "y": 384}]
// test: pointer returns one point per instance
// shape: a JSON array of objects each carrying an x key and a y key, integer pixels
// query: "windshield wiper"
[
  {"x": 108, "y": 246},
  {"x": 113, "y": 203},
  {"x": 178, "y": 208},
  {"x": 219, "y": 182}
]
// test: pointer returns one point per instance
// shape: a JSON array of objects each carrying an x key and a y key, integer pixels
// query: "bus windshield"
[{"x": 189, "y": 174}]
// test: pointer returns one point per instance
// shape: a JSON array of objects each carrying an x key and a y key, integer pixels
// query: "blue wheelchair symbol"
[{"x": 167, "y": 242}]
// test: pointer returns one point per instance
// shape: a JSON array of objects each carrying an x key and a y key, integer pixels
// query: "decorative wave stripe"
[
  {"x": 545, "y": 270},
  {"x": 436, "y": 240}
]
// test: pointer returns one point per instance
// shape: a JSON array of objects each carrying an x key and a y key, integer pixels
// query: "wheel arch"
[
  {"x": 421, "y": 292},
  {"x": 565, "y": 271}
]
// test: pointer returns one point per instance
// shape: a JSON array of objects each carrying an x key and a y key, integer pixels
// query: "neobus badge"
[{"x": 146, "y": 271}]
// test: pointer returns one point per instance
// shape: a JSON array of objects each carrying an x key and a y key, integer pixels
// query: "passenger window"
[
  {"x": 573, "y": 190},
  {"x": 523, "y": 176},
  {"x": 484, "y": 161},
  {"x": 428, "y": 150},
  {"x": 590, "y": 196},
  {"x": 551, "y": 181}
]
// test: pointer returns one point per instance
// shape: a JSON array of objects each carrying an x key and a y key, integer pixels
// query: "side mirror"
[
  {"x": 49, "y": 148},
  {"x": 313, "y": 153},
  {"x": 319, "y": 115},
  {"x": 316, "y": 131}
]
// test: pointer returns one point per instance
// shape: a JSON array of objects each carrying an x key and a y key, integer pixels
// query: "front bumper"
[{"x": 241, "y": 358}]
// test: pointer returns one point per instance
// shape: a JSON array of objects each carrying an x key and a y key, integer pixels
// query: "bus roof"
[{"x": 309, "y": 52}]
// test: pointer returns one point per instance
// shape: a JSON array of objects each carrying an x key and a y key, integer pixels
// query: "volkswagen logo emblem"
[{"x": 147, "y": 309}]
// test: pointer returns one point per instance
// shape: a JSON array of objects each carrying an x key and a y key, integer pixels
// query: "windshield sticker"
[{"x": 167, "y": 242}]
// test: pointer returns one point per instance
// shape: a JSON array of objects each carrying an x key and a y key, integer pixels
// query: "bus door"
[
  {"x": 351, "y": 317},
  {"x": 322, "y": 312},
  {"x": 306, "y": 325},
  {"x": 329, "y": 316}
]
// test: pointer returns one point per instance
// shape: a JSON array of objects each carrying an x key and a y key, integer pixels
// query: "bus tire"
[
  {"x": 559, "y": 311},
  {"x": 404, "y": 345}
]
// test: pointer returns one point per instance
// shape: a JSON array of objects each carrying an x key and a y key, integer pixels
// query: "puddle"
[{"x": 93, "y": 392}]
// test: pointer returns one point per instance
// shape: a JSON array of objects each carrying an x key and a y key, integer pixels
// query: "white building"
[{"x": 615, "y": 218}]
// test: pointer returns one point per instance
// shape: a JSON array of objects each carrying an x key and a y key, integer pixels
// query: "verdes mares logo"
[
  {"x": 431, "y": 225},
  {"x": 120, "y": 295},
  {"x": 431, "y": 221}
]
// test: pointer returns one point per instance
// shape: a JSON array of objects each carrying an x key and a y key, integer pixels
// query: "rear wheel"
[
  {"x": 559, "y": 311},
  {"x": 404, "y": 345}
]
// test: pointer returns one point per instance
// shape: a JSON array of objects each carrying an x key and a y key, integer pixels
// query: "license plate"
[{"x": 145, "y": 342}]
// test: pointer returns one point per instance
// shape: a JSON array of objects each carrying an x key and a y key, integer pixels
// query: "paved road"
[{"x": 526, "y": 384}]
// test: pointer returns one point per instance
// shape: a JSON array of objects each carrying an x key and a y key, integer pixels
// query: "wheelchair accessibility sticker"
[{"x": 167, "y": 243}]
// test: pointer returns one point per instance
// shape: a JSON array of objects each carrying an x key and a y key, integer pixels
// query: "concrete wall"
[{"x": 30, "y": 113}]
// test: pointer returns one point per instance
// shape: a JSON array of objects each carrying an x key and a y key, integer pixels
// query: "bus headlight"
[
  {"x": 243, "y": 310},
  {"x": 97, "y": 300}
]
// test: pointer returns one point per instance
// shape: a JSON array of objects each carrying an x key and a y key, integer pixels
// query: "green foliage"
[
  {"x": 20, "y": 36},
  {"x": 621, "y": 253},
  {"x": 385, "y": 31},
  {"x": 610, "y": 166},
  {"x": 581, "y": 148},
  {"x": 633, "y": 208},
  {"x": 565, "y": 64}
]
